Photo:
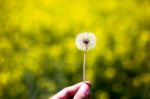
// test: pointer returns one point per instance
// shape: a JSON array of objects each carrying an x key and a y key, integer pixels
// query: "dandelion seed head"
[{"x": 85, "y": 41}]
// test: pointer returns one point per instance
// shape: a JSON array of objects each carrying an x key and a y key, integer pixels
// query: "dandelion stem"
[{"x": 84, "y": 64}]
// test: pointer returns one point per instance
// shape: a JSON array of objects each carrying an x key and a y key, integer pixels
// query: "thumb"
[{"x": 83, "y": 92}]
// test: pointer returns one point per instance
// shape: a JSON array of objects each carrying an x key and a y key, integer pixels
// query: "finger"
[
  {"x": 73, "y": 89},
  {"x": 83, "y": 92},
  {"x": 69, "y": 92}
]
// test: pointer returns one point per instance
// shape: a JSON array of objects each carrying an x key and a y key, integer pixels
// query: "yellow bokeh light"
[{"x": 110, "y": 72}]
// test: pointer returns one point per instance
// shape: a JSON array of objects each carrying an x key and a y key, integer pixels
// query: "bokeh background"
[{"x": 38, "y": 55}]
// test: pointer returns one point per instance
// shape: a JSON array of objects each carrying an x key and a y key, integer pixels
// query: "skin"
[{"x": 78, "y": 91}]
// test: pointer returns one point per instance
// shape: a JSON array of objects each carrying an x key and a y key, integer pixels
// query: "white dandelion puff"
[{"x": 85, "y": 41}]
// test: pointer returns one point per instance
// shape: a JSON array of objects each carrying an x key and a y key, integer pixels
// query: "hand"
[{"x": 77, "y": 91}]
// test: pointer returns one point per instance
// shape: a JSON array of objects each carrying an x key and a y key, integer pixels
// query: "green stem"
[{"x": 84, "y": 65}]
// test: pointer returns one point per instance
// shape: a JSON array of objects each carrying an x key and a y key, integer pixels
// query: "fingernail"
[{"x": 88, "y": 83}]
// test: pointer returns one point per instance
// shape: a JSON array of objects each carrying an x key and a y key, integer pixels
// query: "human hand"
[{"x": 77, "y": 91}]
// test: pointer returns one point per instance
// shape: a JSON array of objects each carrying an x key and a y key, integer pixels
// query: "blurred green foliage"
[{"x": 38, "y": 56}]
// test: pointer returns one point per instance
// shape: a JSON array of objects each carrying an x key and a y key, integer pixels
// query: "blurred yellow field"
[{"x": 38, "y": 55}]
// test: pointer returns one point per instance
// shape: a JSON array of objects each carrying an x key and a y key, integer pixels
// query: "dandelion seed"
[{"x": 85, "y": 41}]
